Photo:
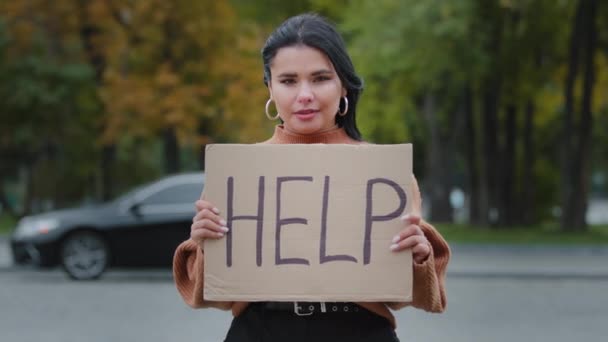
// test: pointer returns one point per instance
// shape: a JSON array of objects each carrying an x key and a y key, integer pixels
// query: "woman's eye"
[
  {"x": 288, "y": 81},
  {"x": 322, "y": 78}
]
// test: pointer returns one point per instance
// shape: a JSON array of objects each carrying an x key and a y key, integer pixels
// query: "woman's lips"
[{"x": 306, "y": 114}]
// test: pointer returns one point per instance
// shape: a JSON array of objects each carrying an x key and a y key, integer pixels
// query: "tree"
[
  {"x": 409, "y": 80},
  {"x": 476, "y": 67},
  {"x": 577, "y": 133},
  {"x": 46, "y": 102},
  {"x": 194, "y": 72}
]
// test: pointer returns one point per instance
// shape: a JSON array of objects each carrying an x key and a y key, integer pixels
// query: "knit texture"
[{"x": 429, "y": 276}]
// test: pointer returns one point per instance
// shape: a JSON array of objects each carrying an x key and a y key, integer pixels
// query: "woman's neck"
[
  {"x": 335, "y": 135},
  {"x": 333, "y": 128}
]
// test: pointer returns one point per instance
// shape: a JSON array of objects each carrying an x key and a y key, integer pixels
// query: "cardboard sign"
[{"x": 308, "y": 222}]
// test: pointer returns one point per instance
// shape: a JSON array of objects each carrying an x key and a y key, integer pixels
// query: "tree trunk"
[
  {"x": 89, "y": 33},
  {"x": 29, "y": 188},
  {"x": 508, "y": 205},
  {"x": 437, "y": 182},
  {"x": 171, "y": 149},
  {"x": 582, "y": 150},
  {"x": 576, "y": 163},
  {"x": 491, "y": 90},
  {"x": 6, "y": 205},
  {"x": 471, "y": 157},
  {"x": 108, "y": 158},
  {"x": 528, "y": 194},
  {"x": 489, "y": 188},
  {"x": 568, "y": 128},
  {"x": 201, "y": 159},
  {"x": 203, "y": 133},
  {"x": 171, "y": 145}
]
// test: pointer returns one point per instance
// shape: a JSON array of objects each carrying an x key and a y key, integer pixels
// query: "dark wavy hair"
[{"x": 317, "y": 32}]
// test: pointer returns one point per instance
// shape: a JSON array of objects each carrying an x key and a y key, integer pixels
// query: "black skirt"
[{"x": 269, "y": 322}]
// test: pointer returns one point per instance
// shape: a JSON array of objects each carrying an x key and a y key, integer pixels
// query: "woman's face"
[{"x": 305, "y": 88}]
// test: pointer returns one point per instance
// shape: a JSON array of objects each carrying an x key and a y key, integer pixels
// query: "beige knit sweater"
[{"x": 429, "y": 276}]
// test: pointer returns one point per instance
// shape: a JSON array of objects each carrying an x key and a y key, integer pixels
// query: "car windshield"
[{"x": 129, "y": 193}]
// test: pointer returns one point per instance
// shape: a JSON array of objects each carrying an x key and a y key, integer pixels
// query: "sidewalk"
[
  {"x": 537, "y": 261},
  {"x": 488, "y": 261},
  {"x": 6, "y": 260}
]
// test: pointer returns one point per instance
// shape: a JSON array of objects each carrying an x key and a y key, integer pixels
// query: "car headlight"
[{"x": 28, "y": 227}]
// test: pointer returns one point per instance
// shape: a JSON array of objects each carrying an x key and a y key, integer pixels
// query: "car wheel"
[{"x": 84, "y": 255}]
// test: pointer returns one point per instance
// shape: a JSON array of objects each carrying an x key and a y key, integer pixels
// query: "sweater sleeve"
[
  {"x": 188, "y": 274},
  {"x": 429, "y": 276}
]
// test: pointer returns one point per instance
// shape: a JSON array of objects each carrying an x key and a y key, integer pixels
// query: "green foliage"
[
  {"x": 270, "y": 12},
  {"x": 408, "y": 49},
  {"x": 402, "y": 59},
  {"x": 7, "y": 224},
  {"x": 546, "y": 176},
  {"x": 415, "y": 44},
  {"x": 196, "y": 67},
  {"x": 46, "y": 106}
]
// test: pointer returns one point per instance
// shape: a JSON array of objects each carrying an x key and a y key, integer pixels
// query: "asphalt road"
[{"x": 494, "y": 294}]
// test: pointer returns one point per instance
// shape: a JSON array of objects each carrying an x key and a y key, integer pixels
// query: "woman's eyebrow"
[
  {"x": 322, "y": 72},
  {"x": 288, "y": 74},
  {"x": 316, "y": 73}
]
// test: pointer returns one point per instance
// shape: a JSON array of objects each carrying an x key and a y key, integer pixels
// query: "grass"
[
  {"x": 541, "y": 234},
  {"x": 7, "y": 223}
]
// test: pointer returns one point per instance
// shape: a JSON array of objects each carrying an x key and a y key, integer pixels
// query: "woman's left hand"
[{"x": 412, "y": 237}]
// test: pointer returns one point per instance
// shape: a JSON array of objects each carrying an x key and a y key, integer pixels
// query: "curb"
[
  {"x": 562, "y": 275},
  {"x": 584, "y": 250},
  {"x": 6, "y": 261}
]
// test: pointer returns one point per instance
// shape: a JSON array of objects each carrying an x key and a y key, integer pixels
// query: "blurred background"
[{"x": 504, "y": 100}]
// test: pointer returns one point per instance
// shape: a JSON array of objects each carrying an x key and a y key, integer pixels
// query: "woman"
[{"x": 315, "y": 89}]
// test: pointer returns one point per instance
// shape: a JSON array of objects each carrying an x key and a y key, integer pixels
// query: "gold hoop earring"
[
  {"x": 268, "y": 114},
  {"x": 345, "y": 111}
]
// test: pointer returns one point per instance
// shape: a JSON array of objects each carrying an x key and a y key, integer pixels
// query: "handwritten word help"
[{"x": 282, "y": 222}]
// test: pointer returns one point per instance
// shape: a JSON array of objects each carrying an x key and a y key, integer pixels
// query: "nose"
[{"x": 305, "y": 94}]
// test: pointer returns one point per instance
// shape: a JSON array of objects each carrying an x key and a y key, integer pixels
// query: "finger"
[
  {"x": 408, "y": 243},
  {"x": 202, "y": 204},
  {"x": 201, "y": 235},
  {"x": 421, "y": 252},
  {"x": 408, "y": 231},
  {"x": 411, "y": 218},
  {"x": 208, "y": 214},
  {"x": 206, "y": 224}
]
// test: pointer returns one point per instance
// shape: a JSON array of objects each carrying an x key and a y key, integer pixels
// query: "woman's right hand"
[{"x": 207, "y": 224}]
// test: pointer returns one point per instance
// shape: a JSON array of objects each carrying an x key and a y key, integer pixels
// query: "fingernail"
[
  {"x": 405, "y": 217},
  {"x": 394, "y": 247},
  {"x": 225, "y": 229},
  {"x": 396, "y": 238},
  {"x": 223, "y": 222},
  {"x": 220, "y": 234},
  {"x": 216, "y": 210}
]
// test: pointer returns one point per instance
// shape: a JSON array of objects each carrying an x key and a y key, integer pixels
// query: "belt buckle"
[{"x": 296, "y": 309}]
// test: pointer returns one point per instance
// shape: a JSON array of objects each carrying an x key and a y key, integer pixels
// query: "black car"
[{"x": 141, "y": 228}]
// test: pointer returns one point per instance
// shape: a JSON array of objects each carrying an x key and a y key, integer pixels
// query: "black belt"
[{"x": 309, "y": 308}]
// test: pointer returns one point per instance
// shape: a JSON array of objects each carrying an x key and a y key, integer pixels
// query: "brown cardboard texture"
[{"x": 309, "y": 222}]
